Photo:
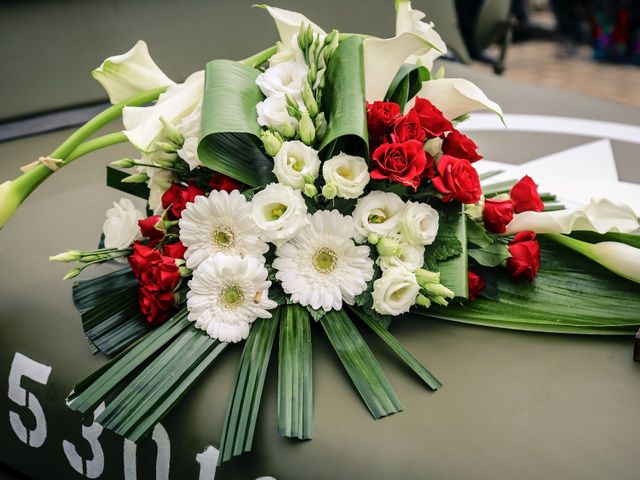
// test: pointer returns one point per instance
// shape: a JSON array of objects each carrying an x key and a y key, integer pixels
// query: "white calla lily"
[
  {"x": 410, "y": 20},
  {"x": 620, "y": 258},
  {"x": 455, "y": 97},
  {"x": 599, "y": 215},
  {"x": 288, "y": 24},
  {"x": 142, "y": 124},
  {"x": 123, "y": 76},
  {"x": 384, "y": 57}
]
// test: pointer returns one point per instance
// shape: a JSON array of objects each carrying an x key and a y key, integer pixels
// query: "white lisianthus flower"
[
  {"x": 123, "y": 76},
  {"x": 227, "y": 294},
  {"x": 272, "y": 112},
  {"x": 120, "y": 227},
  {"x": 221, "y": 223},
  {"x": 347, "y": 173},
  {"x": 279, "y": 212},
  {"x": 189, "y": 127},
  {"x": 189, "y": 152},
  {"x": 395, "y": 291},
  {"x": 293, "y": 161},
  {"x": 283, "y": 78},
  {"x": 142, "y": 125},
  {"x": 410, "y": 256},
  {"x": 159, "y": 182},
  {"x": 419, "y": 223},
  {"x": 379, "y": 213},
  {"x": 322, "y": 267}
]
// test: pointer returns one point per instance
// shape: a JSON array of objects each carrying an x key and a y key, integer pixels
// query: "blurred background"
[{"x": 48, "y": 48}]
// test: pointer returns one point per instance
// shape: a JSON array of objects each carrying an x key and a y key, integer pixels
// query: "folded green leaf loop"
[
  {"x": 344, "y": 102},
  {"x": 229, "y": 139},
  {"x": 406, "y": 84}
]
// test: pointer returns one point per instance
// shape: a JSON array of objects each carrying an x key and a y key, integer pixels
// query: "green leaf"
[
  {"x": 343, "y": 101},
  {"x": 88, "y": 394},
  {"x": 569, "y": 295},
  {"x": 420, "y": 370},
  {"x": 452, "y": 245},
  {"x": 630, "y": 239},
  {"x": 491, "y": 255},
  {"x": 155, "y": 390},
  {"x": 242, "y": 410},
  {"x": 406, "y": 84},
  {"x": 477, "y": 234},
  {"x": 229, "y": 141},
  {"x": 114, "y": 180},
  {"x": 295, "y": 382},
  {"x": 108, "y": 305},
  {"x": 360, "y": 364}
]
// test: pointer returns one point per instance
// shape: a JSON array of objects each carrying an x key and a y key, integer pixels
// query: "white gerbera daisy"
[
  {"x": 221, "y": 223},
  {"x": 322, "y": 266},
  {"x": 227, "y": 294}
]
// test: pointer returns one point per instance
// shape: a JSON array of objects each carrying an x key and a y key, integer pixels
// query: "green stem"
[
  {"x": 93, "y": 145},
  {"x": 260, "y": 57},
  {"x": 579, "y": 246}
]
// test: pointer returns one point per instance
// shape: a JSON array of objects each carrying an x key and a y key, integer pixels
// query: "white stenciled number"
[
  {"x": 23, "y": 366},
  {"x": 93, "y": 467},
  {"x": 163, "y": 458},
  {"x": 208, "y": 460}
]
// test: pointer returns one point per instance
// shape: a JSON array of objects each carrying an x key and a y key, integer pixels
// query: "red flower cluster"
[
  {"x": 523, "y": 197},
  {"x": 476, "y": 285},
  {"x": 158, "y": 276},
  {"x": 525, "y": 256},
  {"x": 223, "y": 183},
  {"x": 398, "y": 153}
]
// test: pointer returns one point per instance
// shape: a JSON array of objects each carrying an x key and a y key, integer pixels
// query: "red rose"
[
  {"x": 431, "y": 119},
  {"x": 174, "y": 250},
  {"x": 525, "y": 256},
  {"x": 381, "y": 118},
  {"x": 476, "y": 285},
  {"x": 176, "y": 198},
  {"x": 158, "y": 276},
  {"x": 221, "y": 182},
  {"x": 459, "y": 145},
  {"x": 157, "y": 307},
  {"x": 148, "y": 227},
  {"x": 408, "y": 128},
  {"x": 404, "y": 163},
  {"x": 457, "y": 180},
  {"x": 497, "y": 214},
  {"x": 525, "y": 197}
]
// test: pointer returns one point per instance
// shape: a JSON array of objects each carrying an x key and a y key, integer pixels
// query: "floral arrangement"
[{"x": 320, "y": 181}]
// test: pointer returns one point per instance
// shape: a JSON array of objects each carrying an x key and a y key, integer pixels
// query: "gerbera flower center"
[
  {"x": 231, "y": 296},
  {"x": 223, "y": 237},
  {"x": 324, "y": 260},
  {"x": 274, "y": 211}
]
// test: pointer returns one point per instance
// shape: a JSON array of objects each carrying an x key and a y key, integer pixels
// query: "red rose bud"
[
  {"x": 476, "y": 285},
  {"x": 156, "y": 307},
  {"x": 432, "y": 120},
  {"x": 404, "y": 163},
  {"x": 525, "y": 197},
  {"x": 459, "y": 145},
  {"x": 148, "y": 227},
  {"x": 525, "y": 256},
  {"x": 223, "y": 183},
  {"x": 158, "y": 275},
  {"x": 408, "y": 128},
  {"x": 457, "y": 180},
  {"x": 174, "y": 250},
  {"x": 497, "y": 214},
  {"x": 176, "y": 198},
  {"x": 381, "y": 118}
]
